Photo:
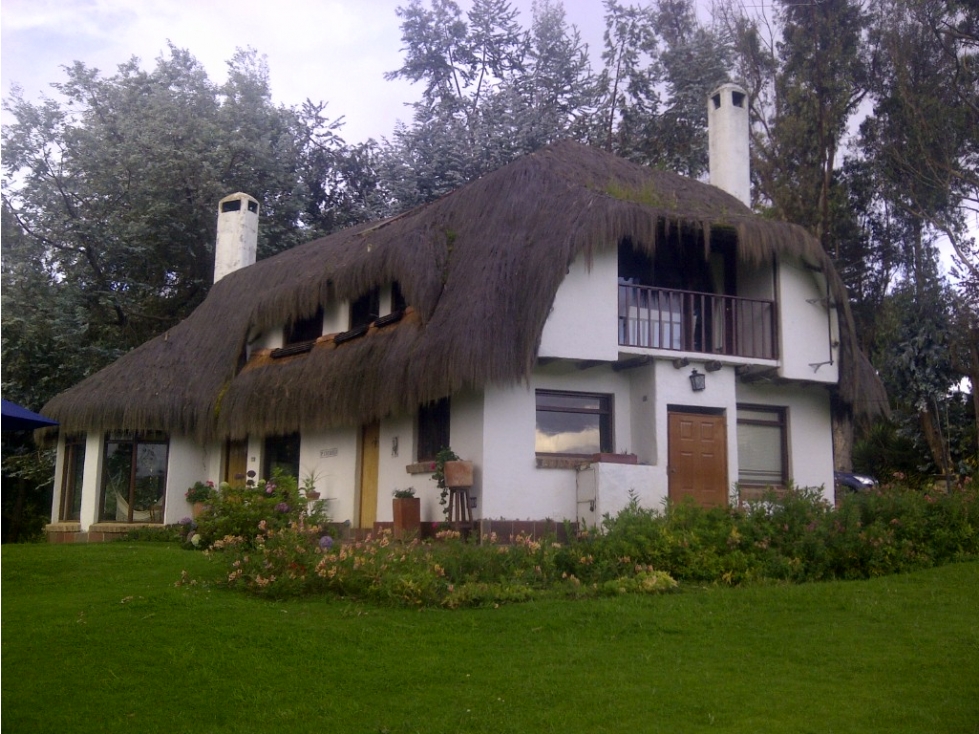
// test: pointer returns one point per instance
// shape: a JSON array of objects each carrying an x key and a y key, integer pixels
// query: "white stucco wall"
[
  {"x": 583, "y": 323},
  {"x": 187, "y": 462},
  {"x": 809, "y": 332},
  {"x": 809, "y": 430},
  {"x": 331, "y": 457}
]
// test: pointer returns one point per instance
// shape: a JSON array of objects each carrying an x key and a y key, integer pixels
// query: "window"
[
  {"x": 71, "y": 479},
  {"x": 305, "y": 330},
  {"x": 134, "y": 477},
  {"x": 573, "y": 423},
  {"x": 282, "y": 454},
  {"x": 365, "y": 309},
  {"x": 762, "y": 455},
  {"x": 398, "y": 302},
  {"x": 433, "y": 429}
]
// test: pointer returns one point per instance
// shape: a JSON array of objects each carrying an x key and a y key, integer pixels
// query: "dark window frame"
[
  {"x": 72, "y": 477},
  {"x": 273, "y": 449},
  {"x": 365, "y": 309},
  {"x": 605, "y": 413},
  {"x": 781, "y": 422},
  {"x": 302, "y": 331},
  {"x": 137, "y": 439},
  {"x": 432, "y": 426}
]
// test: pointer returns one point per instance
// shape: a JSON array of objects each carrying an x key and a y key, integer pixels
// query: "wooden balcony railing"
[{"x": 661, "y": 318}]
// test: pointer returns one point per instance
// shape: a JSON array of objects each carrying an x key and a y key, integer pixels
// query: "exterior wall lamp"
[{"x": 698, "y": 381}]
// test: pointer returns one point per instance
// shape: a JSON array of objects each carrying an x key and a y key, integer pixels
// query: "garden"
[{"x": 268, "y": 539}]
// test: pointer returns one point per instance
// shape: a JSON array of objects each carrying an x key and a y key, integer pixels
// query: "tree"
[
  {"x": 492, "y": 92},
  {"x": 693, "y": 60},
  {"x": 110, "y": 201},
  {"x": 117, "y": 185}
]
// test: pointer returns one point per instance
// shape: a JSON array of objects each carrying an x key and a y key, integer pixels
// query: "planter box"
[
  {"x": 407, "y": 517},
  {"x": 615, "y": 458},
  {"x": 458, "y": 474}
]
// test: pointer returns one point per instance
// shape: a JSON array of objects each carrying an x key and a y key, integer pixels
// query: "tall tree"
[
  {"x": 116, "y": 186},
  {"x": 493, "y": 91}
]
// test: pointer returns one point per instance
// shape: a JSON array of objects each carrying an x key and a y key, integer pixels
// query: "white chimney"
[
  {"x": 237, "y": 241},
  {"x": 727, "y": 129}
]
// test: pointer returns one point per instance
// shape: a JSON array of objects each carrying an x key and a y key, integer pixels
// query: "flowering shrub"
[
  {"x": 200, "y": 492},
  {"x": 249, "y": 511},
  {"x": 449, "y": 571},
  {"x": 792, "y": 536}
]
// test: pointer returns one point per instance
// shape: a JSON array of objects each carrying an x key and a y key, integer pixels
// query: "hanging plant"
[{"x": 445, "y": 454}]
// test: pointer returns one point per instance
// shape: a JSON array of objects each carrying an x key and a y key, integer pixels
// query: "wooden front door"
[
  {"x": 235, "y": 462},
  {"x": 698, "y": 458},
  {"x": 370, "y": 454}
]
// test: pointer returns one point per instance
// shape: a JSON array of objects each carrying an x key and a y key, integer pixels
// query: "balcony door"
[{"x": 697, "y": 457}]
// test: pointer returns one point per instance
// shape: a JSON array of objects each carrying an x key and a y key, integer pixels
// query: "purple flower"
[
  {"x": 282, "y": 507},
  {"x": 326, "y": 542},
  {"x": 185, "y": 521}
]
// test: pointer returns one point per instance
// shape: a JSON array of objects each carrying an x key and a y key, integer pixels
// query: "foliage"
[
  {"x": 444, "y": 454},
  {"x": 404, "y": 494},
  {"x": 200, "y": 492},
  {"x": 492, "y": 92},
  {"x": 792, "y": 536},
  {"x": 249, "y": 511},
  {"x": 27, "y": 480},
  {"x": 110, "y": 194}
]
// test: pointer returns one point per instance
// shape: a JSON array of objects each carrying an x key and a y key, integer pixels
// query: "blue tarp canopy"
[{"x": 18, "y": 418}]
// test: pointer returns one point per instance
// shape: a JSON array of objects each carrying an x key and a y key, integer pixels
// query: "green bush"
[
  {"x": 793, "y": 535},
  {"x": 248, "y": 511}
]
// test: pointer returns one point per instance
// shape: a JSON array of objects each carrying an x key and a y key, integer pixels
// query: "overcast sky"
[{"x": 326, "y": 50}]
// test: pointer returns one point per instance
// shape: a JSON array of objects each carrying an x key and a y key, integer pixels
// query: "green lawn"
[{"x": 98, "y": 638}]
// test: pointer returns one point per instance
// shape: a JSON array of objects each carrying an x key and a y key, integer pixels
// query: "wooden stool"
[{"x": 460, "y": 513}]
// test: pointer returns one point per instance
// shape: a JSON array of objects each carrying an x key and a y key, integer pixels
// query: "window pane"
[
  {"x": 134, "y": 478},
  {"x": 71, "y": 488},
  {"x": 760, "y": 454},
  {"x": 116, "y": 473},
  {"x": 282, "y": 454},
  {"x": 563, "y": 401},
  {"x": 568, "y": 433},
  {"x": 150, "y": 480},
  {"x": 433, "y": 429}
]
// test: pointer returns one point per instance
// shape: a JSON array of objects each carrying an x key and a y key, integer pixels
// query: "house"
[{"x": 582, "y": 328}]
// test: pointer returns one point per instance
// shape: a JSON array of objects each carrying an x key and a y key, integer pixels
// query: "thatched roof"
[{"x": 479, "y": 267}]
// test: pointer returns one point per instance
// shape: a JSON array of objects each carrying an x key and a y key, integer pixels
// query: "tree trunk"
[
  {"x": 932, "y": 428},
  {"x": 842, "y": 436}
]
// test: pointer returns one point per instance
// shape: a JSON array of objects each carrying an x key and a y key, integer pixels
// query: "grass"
[{"x": 97, "y": 638}]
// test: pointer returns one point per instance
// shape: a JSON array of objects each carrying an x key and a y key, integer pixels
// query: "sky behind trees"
[{"x": 334, "y": 51}]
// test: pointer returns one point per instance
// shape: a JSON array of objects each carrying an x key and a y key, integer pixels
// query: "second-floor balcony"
[{"x": 687, "y": 321}]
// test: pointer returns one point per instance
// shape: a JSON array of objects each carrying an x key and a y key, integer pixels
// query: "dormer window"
[
  {"x": 365, "y": 309},
  {"x": 305, "y": 330},
  {"x": 398, "y": 302}
]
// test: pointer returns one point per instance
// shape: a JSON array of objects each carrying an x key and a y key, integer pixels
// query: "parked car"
[{"x": 854, "y": 482}]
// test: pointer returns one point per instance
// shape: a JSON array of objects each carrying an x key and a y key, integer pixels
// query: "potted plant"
[
  {"x": 309, "y": 486},
  {"x": 407, "y": 513},
  {"x": 200, "y": 495},
  {"x": 444, "y": 456}
]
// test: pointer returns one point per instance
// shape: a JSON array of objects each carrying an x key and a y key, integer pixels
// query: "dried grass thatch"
[{"x": 480, "y": 268}]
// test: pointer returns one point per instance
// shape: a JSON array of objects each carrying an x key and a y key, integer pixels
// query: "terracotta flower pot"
[
  {"x": 199, "y": 507},
  {"x": 407, "y": 517},
  {"x": 458, "y": 474}
]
